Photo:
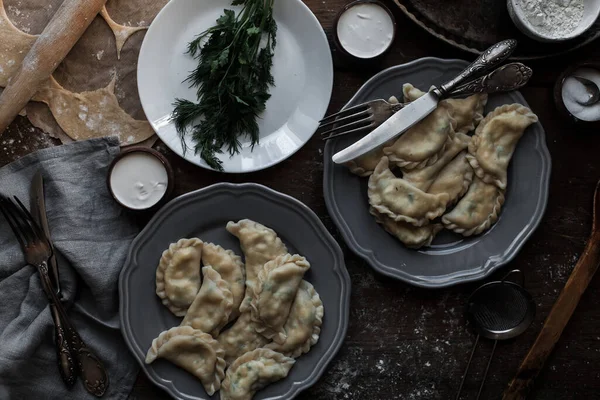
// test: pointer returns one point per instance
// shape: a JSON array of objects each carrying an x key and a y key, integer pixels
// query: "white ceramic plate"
[{"x": 303, "y": 72}]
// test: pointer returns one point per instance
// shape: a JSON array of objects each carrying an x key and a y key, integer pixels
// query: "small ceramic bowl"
[
  {"x": 558, "y": 97},
  {"x": 590, "y": 14},
  {"x": 345, "y": 51},
  {"x": 145, "y": 150}
]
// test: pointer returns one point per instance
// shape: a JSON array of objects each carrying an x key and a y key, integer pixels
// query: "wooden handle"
[
  {"x": 52, "y": 46},
  {"x": 560, "y": 314}
]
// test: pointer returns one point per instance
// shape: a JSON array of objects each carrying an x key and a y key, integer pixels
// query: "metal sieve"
[{"x": 498, "y": 310}]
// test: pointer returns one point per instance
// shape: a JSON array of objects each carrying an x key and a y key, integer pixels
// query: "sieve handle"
[
  {"x": 521, "y": 281},
  {"x": 561, "y": 312},
  {"x": 487, "y": 369}
]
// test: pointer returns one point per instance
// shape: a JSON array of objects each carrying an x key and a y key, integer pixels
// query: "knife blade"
[
  {"x": 422, "y": 107},
  {"x": 395, "y": 126},
  {"x": 38, "y": 211}
]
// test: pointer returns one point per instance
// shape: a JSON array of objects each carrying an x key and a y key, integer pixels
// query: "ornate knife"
[{"x": 422, "y": 107}]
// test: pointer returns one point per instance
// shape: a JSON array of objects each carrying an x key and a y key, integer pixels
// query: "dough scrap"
[
  {"x": 93, "y": 114},
  {"x": 14, "y": 46},
  {"x": 122, "y": 33}
]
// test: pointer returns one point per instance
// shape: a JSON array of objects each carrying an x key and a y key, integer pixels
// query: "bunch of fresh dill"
[{"x": 232, "y": 79}]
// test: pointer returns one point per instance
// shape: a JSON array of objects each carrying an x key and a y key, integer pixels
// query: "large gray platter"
[
  {"x": 204, "y": 214},
  {"x": 451, "y": 259}
]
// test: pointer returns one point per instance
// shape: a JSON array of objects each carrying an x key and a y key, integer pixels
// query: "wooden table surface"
[{"x": 409, "y": 343}]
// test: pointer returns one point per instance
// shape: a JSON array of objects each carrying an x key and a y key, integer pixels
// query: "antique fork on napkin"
[
  {"x": 368, "y": 116},
  {"x": 37, "y": 250}
]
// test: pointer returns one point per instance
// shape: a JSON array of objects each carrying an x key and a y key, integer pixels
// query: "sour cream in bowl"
[
  {"x": 365, "y": 29},
  {"x": 140, "y": 178}
]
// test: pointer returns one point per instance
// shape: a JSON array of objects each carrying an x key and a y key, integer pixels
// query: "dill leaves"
[{"x": 232, "y": 79}]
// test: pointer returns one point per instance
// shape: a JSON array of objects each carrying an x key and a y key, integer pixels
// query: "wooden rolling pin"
[
  {"x": 52, "y": 46},
  {"x": 561, "y": 312}
]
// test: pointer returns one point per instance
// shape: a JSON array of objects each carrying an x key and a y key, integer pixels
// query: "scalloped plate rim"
[
  {"x": 312, "y": 219},
  {"x": 494, "y": 261}
]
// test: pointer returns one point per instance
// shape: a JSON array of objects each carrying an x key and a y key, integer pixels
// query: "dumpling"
[
  {"x": 231, "y": 268},
  {"x": 278, "y": 282},
  {"x": 178, "y": 275},
  {"x": 393, "y": 100},
  {"x": 365, "y": 164},
  {"x": 303, "y": 326},
  {"x": 495, "y": 141},
  {"x": 240, "y": 338},
  {"x": 252, "y": 372},
  {"x": 454, "y": 179},
  {"x": 211, "y": 309},
  {"x": 411, "y": 93},
  {"x": 422, "y": 144},
  {"x": 193, "y": 350},
  {"x": 423, "y": 178},
  {"x": 413, "y": 237},
  {"x": 260, "y": 245},
  {"x": 466, "y": 112},
  {"x": 477, "y": 211},
  {"x": 401, "y": 201}
]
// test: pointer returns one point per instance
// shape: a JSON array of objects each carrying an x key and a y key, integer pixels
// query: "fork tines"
[
  {"x": 20, "y": 221},
  {"x": 353, "y": 119}
]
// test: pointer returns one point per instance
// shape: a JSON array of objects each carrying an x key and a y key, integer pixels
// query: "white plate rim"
[{"x": 328, "y": 75}]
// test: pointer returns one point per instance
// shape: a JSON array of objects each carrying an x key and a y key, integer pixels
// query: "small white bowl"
[{"x": 590, "y": 14}]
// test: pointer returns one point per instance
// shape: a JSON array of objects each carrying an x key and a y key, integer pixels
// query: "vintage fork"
[
  {"x": 368, "y": 116},
  {"x": 37, "y": 250}
]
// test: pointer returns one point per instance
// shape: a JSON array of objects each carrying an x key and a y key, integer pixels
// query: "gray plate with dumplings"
[
  {"x": 451, "y": 259},
  {"x": 204, "y": 214}
]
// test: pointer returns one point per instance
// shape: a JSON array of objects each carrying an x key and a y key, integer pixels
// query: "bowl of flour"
[{"x": 553, "y": 20}]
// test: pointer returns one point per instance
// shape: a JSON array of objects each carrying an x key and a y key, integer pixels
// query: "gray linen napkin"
[{"x": 92, "y": 235}]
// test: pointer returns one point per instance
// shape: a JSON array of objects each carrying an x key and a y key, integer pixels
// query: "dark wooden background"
[{"x": 409, "y": 343}]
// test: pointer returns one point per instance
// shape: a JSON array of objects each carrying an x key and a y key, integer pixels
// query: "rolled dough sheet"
[{"x": 93, "y": 62}]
